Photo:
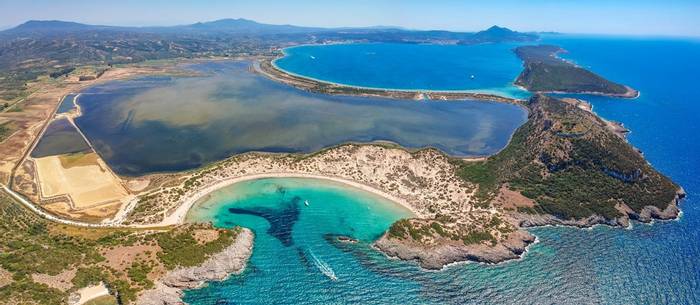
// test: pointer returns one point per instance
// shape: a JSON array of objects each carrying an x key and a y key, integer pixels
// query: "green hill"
[
  {"x": 544, "y": 71},
  {"x": 573, "y": 166}
]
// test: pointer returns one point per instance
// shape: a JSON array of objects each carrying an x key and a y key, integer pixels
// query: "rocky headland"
[
  {"x": 232, "y": 260},
  {"x": 564, "y": 166}
]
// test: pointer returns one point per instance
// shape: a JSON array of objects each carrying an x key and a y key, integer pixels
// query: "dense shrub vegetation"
[
  {"x": 31, "y": 245},
  {"x": 545, "y": 72},
  {"x": 571, "y": 177}
]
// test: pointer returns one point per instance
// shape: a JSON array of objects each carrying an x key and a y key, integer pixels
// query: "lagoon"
[
  {"x": 157, "y": 124},
  {"x": 60, "y": 137},
  {"x": 67, "y": 104}
]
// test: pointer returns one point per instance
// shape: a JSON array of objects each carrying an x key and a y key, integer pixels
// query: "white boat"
[
  {"x": 306, "y": 203},
  {"x": 323, "y": 267},
  {"x": 312, "y": 57},
  {"x": 472, "y": 76}
]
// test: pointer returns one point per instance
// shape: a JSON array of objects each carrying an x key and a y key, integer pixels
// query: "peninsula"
[{"x": 546, "y": 72}]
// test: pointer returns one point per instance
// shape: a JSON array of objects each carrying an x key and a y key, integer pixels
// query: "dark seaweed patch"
[{"x": 281, "y": 220}]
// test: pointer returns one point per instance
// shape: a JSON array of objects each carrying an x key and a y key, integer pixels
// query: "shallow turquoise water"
[
  {"x": 294, "y": 257},
  {"x": 410, "y": 66},
  {"x": 648, "y": 264}
]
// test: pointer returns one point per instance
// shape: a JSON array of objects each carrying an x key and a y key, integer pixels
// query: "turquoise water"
[
  {"x": 295, "y": 257},
  {"x": 648, "y": 264},
  {"x": 157, "y": 124},
  {"x": 410, "y": 66}
]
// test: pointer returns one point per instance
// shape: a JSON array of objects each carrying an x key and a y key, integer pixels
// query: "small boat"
[
  {"x": 323, "y": 267},
  {"x": 312, "y": 57},
  {"x": 472, "y": 76},
  {"x": 306, "y": 203}
]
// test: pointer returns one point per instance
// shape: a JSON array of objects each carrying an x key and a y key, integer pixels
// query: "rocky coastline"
[
  {"x": 436, "y": 257},
  {"x": 439, "y": 256},
  {"x": 629, "y": 94},
  {"x": 232, "y": 260}
]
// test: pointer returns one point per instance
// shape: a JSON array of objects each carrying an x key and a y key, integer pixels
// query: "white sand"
[
  {"x": 91, "y": 292},
  {"x": 179, "y": 215}
]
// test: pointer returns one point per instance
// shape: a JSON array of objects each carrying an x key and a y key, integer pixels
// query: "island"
[{"x": 546, "y": 72}]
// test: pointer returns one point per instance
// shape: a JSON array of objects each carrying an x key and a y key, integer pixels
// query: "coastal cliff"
[{"x": 232, "y": 260}]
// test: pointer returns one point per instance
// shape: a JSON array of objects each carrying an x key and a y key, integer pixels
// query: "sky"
[{"x": 632, "y": 17}]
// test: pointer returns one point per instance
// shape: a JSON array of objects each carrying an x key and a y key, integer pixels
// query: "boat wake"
[{"x": 323, "y": 267}]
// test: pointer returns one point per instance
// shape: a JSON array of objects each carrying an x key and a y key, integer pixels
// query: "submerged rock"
[
  {"x": 346, "y": 239},
  {"x": 281, "y": 220}
]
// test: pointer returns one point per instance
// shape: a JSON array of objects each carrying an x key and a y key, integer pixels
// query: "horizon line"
[{"x": 637, "y": 35}]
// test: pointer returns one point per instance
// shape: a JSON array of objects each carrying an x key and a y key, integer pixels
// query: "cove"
[
  {"x": 297, "y": 254},
  {"x": 163, "y": 124}
]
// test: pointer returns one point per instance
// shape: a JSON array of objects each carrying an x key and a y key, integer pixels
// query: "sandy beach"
[
  {"x": 180, "y": 213},
  {"x": 86, "y": 294}
]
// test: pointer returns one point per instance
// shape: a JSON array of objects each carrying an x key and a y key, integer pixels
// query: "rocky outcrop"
[
  {"x": 647, "y": 214},
  {"x": 449, "y": 251},
  {"x": 538, "y": 220},
  {"x": 671, "y": 211},
  {"x": 437, "y": 256},
  {"x": 232, "y": 260}
]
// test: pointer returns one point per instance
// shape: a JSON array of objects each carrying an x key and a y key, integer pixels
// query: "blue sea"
[
  {"x": 655, "y": 263},
  {"x": 488, "y": 68}
]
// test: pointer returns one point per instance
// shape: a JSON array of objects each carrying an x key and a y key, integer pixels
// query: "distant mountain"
[
  {"x": 52, "y": 27},
  {"x": 42, "y": 47},
  {"x": 38, "y": 28},
  {"x": 501, "y": 34},
  {"x": 223, "y": 26},
  {"x": 245, "y": 26}
]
